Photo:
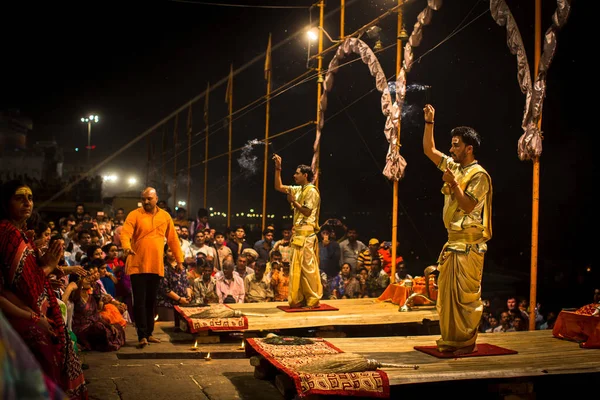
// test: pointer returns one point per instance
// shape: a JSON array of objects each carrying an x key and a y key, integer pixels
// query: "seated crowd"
[{"x": 64, "y": 287}]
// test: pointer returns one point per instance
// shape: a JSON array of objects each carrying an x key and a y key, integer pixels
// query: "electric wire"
[{"x": 206, "y": 3}]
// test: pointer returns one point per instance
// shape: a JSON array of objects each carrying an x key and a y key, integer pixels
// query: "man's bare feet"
[
  {"x": 311, "y": 307},
  {"x": 142, "y": 343},
  {"x": 465, "y": 350},
  {"x": 152, "y": 339}
]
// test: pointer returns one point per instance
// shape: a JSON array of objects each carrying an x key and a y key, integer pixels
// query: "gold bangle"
[
  {"x": 34, "y": 317},
  {"x": 429, "y": 122}
]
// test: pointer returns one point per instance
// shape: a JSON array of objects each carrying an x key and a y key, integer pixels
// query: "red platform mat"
[
  {"x": 322, "y": 307},
  {"x": 483, "y": 349}
]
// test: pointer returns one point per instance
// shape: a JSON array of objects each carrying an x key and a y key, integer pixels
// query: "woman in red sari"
[{"x": 26, "y": 297}]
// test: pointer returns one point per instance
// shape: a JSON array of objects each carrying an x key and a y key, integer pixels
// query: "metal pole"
[
  {"x": 399, "y": 48},
  {"x": 206, "y": 145},
  {"x": 536, "y": 184},
  {"x": 164, "y": 163},
  {"x": 147, "y": 161},
  {"x": 230, "y": 136},
  {"x": 175, "y": 163},
  {"x": 89, "y": 146},
  {"x": 319, "y": 86},
  {"x": 189, "y": 169},
  {"x": 342, "y": 18},
  {"x": 267, "y": 117}
]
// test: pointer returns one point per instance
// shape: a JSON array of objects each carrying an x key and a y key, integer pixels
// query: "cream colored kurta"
[
  {"x": 459, "y": 302},
  {"x": 305, "y": 278},
  {"x": 145, "y": 234}
]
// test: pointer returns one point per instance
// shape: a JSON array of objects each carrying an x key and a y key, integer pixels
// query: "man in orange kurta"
[{"x": 143, "y": 241}]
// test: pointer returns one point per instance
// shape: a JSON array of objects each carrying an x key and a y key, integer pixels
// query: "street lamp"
[
  {"x": 88, "y": 121},
  {"x": 313, "y": 34}
]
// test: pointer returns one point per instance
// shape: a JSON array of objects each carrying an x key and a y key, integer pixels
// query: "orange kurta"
[{"x": 145, "y": 234}]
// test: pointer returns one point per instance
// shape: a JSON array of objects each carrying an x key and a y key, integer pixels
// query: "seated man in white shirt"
[{"x": 199, "y": 246}]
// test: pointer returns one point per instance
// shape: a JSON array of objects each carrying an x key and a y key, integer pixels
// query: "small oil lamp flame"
[
  {"x": 207, "y": 358},
  {"x": 156, "y": 318},
  {"x": 242, "y": 346},
  {"x": 195, "y": 347}
]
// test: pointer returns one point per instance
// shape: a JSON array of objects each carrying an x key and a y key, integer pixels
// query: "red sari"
[{"x": 22, "y": 276}]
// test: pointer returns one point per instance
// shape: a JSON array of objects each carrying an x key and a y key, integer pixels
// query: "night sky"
[{"x": 135, "y": 66}]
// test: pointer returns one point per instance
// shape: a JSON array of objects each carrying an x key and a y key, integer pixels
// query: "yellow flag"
[
  {"x": 229, "y": 90},
  {"x": 268, "y": 59}
]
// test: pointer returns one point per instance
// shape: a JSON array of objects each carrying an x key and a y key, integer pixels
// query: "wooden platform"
[
  {"x": 365, "y": 312},
  {"x": 543, "y": 368},
  {"x": 540, "y": 354}
]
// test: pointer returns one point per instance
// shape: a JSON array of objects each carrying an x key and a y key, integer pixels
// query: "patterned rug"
[
  {"x": 212, "y": 324},
  {"x": 322, "y": 307},
  {"x": 483, "y": 349},
  {"x": 288, "y": 358}
]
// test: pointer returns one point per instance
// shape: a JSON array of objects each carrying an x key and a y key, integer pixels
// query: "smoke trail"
[
  {"x": 416, "y": 87},
  {"x": 412, "y": 112},
  {"x": 248, "y": 162}
]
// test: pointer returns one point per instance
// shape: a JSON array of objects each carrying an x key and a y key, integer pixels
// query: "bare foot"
[
  {"x": 152, "y": 339},
  {"x": 143, "y": 343},
  {"x": 315, "y": 306},
  {"x": 465, "y": 350}
]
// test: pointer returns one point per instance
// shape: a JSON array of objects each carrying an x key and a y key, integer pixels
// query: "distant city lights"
[
  {"x": 247, "y": 215},
  {"x": 110, "y": 178}
]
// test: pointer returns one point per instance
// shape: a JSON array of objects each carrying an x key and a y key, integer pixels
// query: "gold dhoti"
[
  {"x": 459, "y": 302},
  {"x": 305, "y": 277}
]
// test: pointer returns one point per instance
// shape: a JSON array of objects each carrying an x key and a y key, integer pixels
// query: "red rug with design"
[
  {"x": 289, "y": 358},
  {"x": 322, "y": 307},
  {"x": 483, "y": 349},
  {"x": 212, "y": 324}
]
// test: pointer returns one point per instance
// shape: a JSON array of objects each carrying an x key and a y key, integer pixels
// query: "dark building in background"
[{"x": 14, "y": 128}]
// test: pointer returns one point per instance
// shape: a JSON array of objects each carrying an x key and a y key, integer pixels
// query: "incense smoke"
[
  {"x": 412, "y": 112},
  {"x": 247, "y": 161},
  {"x": 415, "y": 87}
]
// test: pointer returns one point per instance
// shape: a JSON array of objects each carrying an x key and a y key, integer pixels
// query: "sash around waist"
[
  {"x": 470, "y": 237},
  {"x": 304, "y": 230}
]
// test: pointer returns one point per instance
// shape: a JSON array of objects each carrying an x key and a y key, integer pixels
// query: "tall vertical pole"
[
  {"x": 163, "y": 180},
  {"x": 536, "y": 183},
  {"x": 267, "y": 116},
  {"x": 230, "y": 94},
  {"x": 206, "y": 145},
  {"x": 342, "y": 18},
  {"x": 89, "y": 146},
  {"x": 319, "y": 86},
  {"x": 147, "y": 161},
  {"x": 399, "y": 48},
  {"x": 175, "y": 162},
  {"x": 189, "y": 159}
]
